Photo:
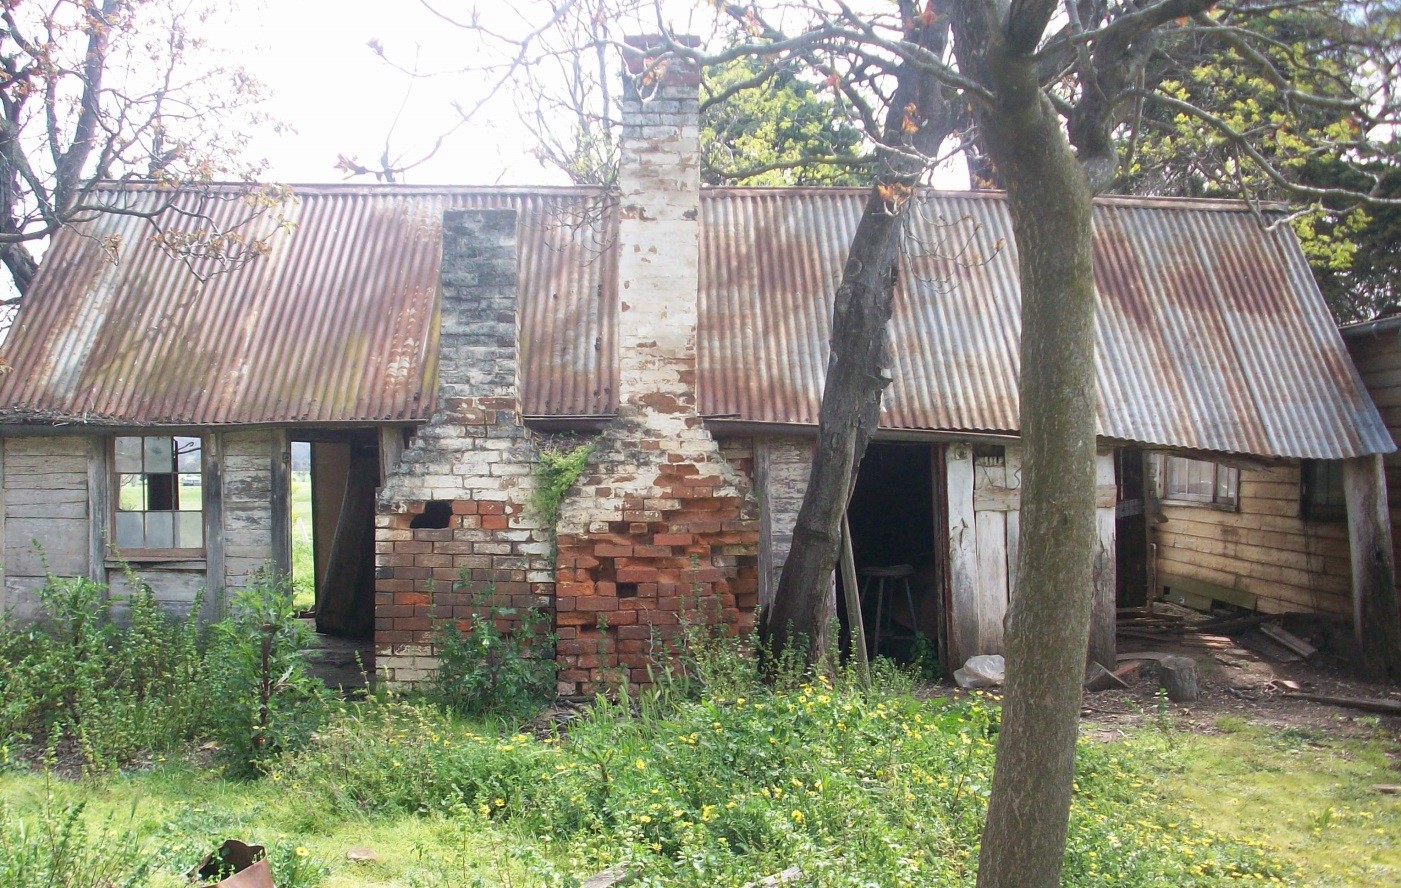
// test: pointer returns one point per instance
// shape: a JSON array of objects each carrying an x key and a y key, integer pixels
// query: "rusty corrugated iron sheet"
[
  {"x": 1212, "y": 334},
  {"x": 338, "y": 323}
]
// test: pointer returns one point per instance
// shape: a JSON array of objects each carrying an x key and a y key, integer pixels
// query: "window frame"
[
  {"x": 1214, "y": 501},
  {"x": 185, "y": 553}
]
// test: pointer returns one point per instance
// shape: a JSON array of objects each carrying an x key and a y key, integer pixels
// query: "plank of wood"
[
  {"x": 963, "y": 555},
  {"x": 1210, "y": 591},
  {"x": 281, "y": 476},
  {"x": 99, "y": 506},
  {"x": 1289, "y": 640},
  {"x": 1102, "y": 616},
  {"x": 856, "y": 626},
  {"x": 212, "y": 607},
  {"x": 1366, "y": 704},
  {"x": 1374, "y": 597},
  {"x": 1014, "y": 522},
  {"x": 991, "y": 529}
]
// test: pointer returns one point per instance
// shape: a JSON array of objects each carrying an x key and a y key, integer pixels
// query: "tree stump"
[{"x": 1179, "y": 676}]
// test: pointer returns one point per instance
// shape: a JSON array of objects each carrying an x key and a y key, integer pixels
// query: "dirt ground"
[{"x": 1245, "y": 675}]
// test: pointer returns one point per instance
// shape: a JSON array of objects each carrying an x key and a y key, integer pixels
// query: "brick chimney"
[
  {"x": 659, "y": 236},
  {"x": 661, "y": 532},
  {"x": 453, "y": 517}
]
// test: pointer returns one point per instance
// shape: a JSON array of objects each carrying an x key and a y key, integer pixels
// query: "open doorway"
[
  {"x": 1131, "y": 527},
  {"x": 333, "y": 480},
  {"x": 895, "y": 543}
]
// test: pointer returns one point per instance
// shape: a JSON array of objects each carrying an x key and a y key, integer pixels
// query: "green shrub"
[
  {"x": 266, "y": 702},
  {"x": 110, "y": 690},
  {"x": 487, "y": 671}
]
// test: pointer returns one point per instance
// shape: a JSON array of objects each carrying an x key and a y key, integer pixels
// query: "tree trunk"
[
  {"x": 21, "y": 266},
  {"x": 1049, "y": 200},
  {"x": 859, "y": 367}
]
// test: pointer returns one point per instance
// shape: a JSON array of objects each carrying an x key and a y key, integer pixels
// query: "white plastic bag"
[{"x": 984, "y": 671}]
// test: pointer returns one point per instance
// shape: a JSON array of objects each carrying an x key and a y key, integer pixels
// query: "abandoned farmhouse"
[{"x": 426, "y": 344}]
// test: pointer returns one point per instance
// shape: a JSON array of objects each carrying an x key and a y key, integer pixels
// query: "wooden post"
[
  {"x": 1104, "y": 612},
  {"x": 391, "y": 449},
  {"x": 963, "y": 556},
  {"x": 281, "y": 458},
  {"x": 856, "y": 626},
  {"x": 1376, "y": 619},
  {"x": 99, "y": 503},
  {"x": 212, "y": 608}
]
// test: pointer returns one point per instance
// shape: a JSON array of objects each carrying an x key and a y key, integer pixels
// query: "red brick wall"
[{"x": 625, "y": 593}]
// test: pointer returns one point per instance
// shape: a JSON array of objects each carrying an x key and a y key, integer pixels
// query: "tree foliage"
[
  {"x": 95, "y": 90},
  {"x": 764, "y": 125},
  {"x": 1335, "y": 53}
]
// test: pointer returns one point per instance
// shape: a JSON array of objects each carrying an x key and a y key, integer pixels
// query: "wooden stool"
[{"x": 895, "y": 574}]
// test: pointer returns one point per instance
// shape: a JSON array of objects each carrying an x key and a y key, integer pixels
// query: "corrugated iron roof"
[
  {"x": 338, "y": 323},
  {"x": 1211, "y": 333}
]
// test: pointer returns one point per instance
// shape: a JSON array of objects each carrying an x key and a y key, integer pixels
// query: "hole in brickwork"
[
  {"x": 436, "y": 515},
  {"x": 627, "y": 590}
]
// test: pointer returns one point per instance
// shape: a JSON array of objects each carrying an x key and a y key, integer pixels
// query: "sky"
[{"x": 343, "y": 99}]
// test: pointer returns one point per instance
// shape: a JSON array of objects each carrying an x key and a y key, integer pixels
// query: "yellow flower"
[
  {"x": 500, "y": 803},
  {"x": 300, "y": 852},
  {"x": 641, "y": 765},
  {"x": 797, "y": 816}
]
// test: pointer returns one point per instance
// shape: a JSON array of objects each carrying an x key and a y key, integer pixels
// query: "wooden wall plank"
[
  {"x": 214, "y": 605},
  {"x": 1263, "y": 548},
  {"x": 98, "y": 508},
  {"x": 280, "y": 455},
  {"x": 1103, "y": 612},
  {"x": 963, "y": 554}
]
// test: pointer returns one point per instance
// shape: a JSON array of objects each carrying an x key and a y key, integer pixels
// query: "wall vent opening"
[{"x": 436, "y": 515}]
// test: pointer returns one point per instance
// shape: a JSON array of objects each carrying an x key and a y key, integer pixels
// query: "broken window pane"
[
  {"x": 191, "y": 493},
  {"x": 131, "y": 493},
  {"x": 187, "y": 454}
]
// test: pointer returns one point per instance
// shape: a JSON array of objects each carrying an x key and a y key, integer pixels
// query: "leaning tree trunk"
[
  {"x": 1048, "y": 624},
  {"x": 919, "y": 120}
]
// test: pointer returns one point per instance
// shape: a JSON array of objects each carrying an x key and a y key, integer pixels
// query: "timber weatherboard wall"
[
  {"x": 56, "y": 490},
  {"x": 1263, "y": 551}
]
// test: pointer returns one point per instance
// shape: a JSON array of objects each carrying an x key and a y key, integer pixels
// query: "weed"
[
  {"x": 56, "y": 846},
  {"x": 267, "y": 702},
  {"x": 107, "y": 689},
  {"x": 487, "y": 670},
  {"x": 556, "y": 471}
]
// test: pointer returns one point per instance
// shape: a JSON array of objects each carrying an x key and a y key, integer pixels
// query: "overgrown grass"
[{"x": 708, "y": 779}]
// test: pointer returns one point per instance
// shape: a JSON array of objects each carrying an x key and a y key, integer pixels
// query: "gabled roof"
[{"x": 1212, "y": 334}]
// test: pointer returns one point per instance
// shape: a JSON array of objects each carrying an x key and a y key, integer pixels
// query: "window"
[
  {"x": 1322, "y": 493},
  {"x": 1199, "y": 481},
  {"x": 160, "y": 492}
]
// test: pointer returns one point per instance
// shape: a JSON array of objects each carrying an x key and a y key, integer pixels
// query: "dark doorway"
[
  {"x": 893, "y": 517},
  {"x": 334, "y": 477},
  {"x": 1131, "y": 527}
]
